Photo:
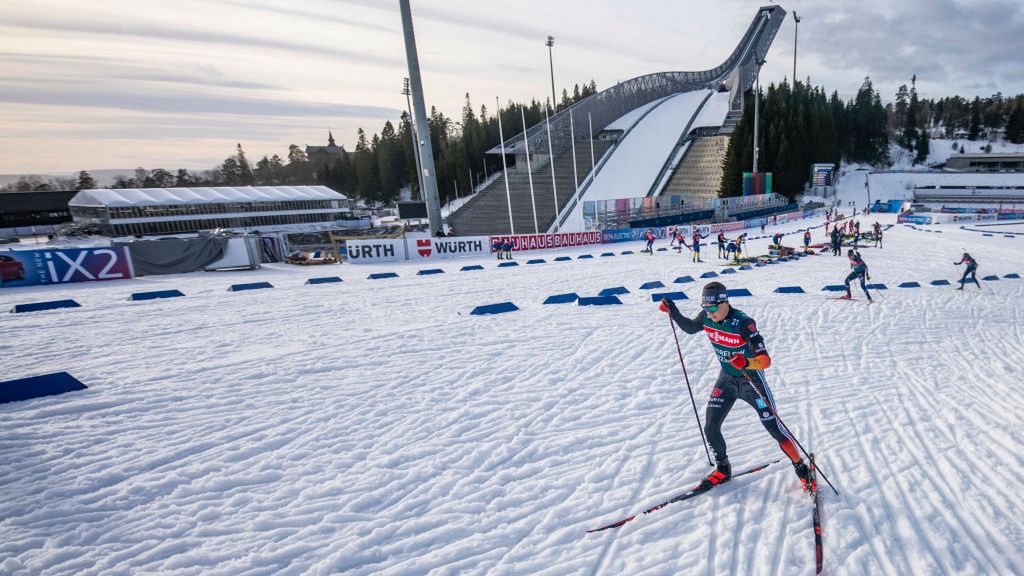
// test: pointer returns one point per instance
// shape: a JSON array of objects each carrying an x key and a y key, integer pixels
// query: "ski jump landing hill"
[{"x": 663, "y": 133}]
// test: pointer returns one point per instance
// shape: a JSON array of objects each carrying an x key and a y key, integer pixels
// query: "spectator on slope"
[
  {"x": 860, "y": 270},
  {"x": 837, "y": 241},
  {"x": 972, "y": 268},
  {"x": 739, "y": 348}
]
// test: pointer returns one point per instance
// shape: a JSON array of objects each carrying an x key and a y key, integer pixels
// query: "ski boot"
[
  {"x": 804, "y": 474},
  {"x": 721, "y": 474}
]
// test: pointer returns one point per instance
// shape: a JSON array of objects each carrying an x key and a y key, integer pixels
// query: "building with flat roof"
[
  {"x": 147, "y": 211},
  {"x": 991, "y": 162}
]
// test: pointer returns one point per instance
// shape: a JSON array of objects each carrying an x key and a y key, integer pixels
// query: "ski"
[
  {"x": 684, "y": 496},
  {"x": 819, "y": 553}
]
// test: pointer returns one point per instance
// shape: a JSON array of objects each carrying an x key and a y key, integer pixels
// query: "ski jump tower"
[{"x": 654, "y": 135}]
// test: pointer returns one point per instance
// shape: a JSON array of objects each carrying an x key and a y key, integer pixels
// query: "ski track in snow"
[{"x": 375, "y": 427}]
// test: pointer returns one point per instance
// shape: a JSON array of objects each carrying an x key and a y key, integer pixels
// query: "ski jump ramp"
[{"x": 649, "y": 117}]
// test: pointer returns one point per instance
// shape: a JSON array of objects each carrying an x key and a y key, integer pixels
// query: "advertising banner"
[
  {"x": 627, "y": 234},
  {"x": 913, "y": 219},
  {"x": 35, "y": 267},
  {"x": 525, "y": 242},
  {"x": 427, "y": 248},
  {"x": 376, "y": 250}
]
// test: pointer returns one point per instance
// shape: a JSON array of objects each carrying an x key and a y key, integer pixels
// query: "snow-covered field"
[{"x": 375, "y": 427}]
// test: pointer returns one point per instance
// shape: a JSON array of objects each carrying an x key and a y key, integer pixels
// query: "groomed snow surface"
[{"x": 375, "y": 427}]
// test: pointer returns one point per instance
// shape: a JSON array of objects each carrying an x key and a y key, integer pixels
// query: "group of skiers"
[{"x": 503, "y": 248}]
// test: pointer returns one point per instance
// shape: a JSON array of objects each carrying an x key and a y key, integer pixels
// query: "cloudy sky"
[{"x": 112, "y": 84}]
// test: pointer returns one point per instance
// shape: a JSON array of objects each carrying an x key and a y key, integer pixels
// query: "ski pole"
[
  {"x": 692, "y": 401},
  {"x": 776, "y": 414}
]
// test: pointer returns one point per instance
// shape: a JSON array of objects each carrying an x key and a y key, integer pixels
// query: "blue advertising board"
[
  {"x": 38, "y": 267},
  {"x": 914, "y": 219},
  {"x": 629, "y": 234}
]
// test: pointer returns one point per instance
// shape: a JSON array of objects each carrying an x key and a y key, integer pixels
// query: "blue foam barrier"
[
  {"x": 729, "y": 271},
  {"x": 662, "y": 249},
  {"x": 940, "y": 282},
  {"x": 499, "y": 308},
  {"x": 834, "y": 288},
  {"x": 536, "y": 261},
  {"x": 380, "y": 275},
  {"x": 738, "y": 292},
  {"x": 986, "y": 234},
  {"x": 562, "y": 298},
  {"x": 430, "y": 271},
  {"x": 38, "y": 386},
  {"x": 746, "y": 267},
  {"x": 606, "y": 254},
  {"x": 878, "y": 286},
  {"x": 598, "y": 301},
  {"x": 507, "y": 264},
  {"x": 563, "y": 259},
  {"x": 1008, "y": 236},
  {"x": 40, "y": 306},
  {"x": 709, "y": 275},
  {"x": 250, "y": 286},
  {"x": 789, "y": 290},
  {"x": 683, "y": 280},
  {"x": 657, "y": 296},
  {"x": 759, "y": 264},
  {"x": 472, "y": 267},
  {"x": 624, "y": 252},
  {"x": 910, "y": 285},
  {"x": 613, "y": 291},
  {"x": 651, "y": 285},
  {"x": 991, "y": 277},
  {"x": 1014, "y": 275},
  {"x": 140, "y": 296},
  {"x": 584, "y": 256},
  {"x": 324, "y": 280}
]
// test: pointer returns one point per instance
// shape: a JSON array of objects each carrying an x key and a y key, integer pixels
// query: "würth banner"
[
  {"x": 429, "y": 248},
  {"x": 525, "y": 242}
]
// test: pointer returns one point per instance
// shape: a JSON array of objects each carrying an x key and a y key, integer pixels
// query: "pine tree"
[
  {"x": 922, "y": 149},
  {"x": 85, "y": 181},
  {"x": 1015, "y": 123},
  {"x": 975, "y": 128}
]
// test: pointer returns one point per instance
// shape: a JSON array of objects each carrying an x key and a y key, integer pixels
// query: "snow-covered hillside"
[{"x": 375, "y": 427}]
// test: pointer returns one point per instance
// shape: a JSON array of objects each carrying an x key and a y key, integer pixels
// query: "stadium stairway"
[{"x": 487, "y": 213}]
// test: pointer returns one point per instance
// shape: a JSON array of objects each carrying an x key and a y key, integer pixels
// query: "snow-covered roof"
[{"x": 167, "y": 196}]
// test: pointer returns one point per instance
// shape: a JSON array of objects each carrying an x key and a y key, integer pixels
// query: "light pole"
[
  {"x": 796, "y": 34},
  {"x": 757, "y": 112},
  {"x": 412, "y": 133},
  {"x": 551, "y": 63},
  {"x": 423, "y": 129}
]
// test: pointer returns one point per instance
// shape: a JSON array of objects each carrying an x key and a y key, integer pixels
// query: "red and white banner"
[
  {"x": 427, "y": 248},
  {"x": 523, "y": 242}
]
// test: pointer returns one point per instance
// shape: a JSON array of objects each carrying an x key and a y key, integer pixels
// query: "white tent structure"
[{"x": 140, "y": 211}]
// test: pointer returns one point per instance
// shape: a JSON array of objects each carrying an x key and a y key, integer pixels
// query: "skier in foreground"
[
  {"x": 860, "y": 270},
  {"x": 972, "y": 267},
  {"x": 739, "y": 347}
]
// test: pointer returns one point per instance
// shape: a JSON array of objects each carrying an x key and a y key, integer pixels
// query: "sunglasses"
[{"x": 712, "y": 308}]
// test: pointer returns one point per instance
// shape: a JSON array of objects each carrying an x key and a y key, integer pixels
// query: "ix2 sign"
[{"x": 35, "y": 267}]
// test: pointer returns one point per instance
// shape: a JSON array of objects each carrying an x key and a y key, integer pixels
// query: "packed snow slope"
[{"x": 375, "y": 427}]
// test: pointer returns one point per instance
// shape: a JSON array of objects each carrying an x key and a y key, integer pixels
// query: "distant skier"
[
  {"x": 807, "y": 240},
  {"x": 837, "y": 241},
  {"x": 721, "y": 245},
  {"x": 649, "y": 236},
  {"x": 739, "y": 348},
  {"x": 777, "y": 239},
  {"x": 498, "y": 249},
  {"x": 972, "y": 268},
  {"x": 696, "y": 244},
  {"x": 506, "y": 246},
  {"x": 680, "y": 238},
  {"x": 732, "y": 250},
  {"x": 671, "y": 236},
  {"x": 860, "y": 270},
  {"x": 878, "y": 235}
]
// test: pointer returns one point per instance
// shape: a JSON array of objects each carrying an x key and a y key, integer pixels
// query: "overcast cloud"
[{"x": 178, "y": 84}]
